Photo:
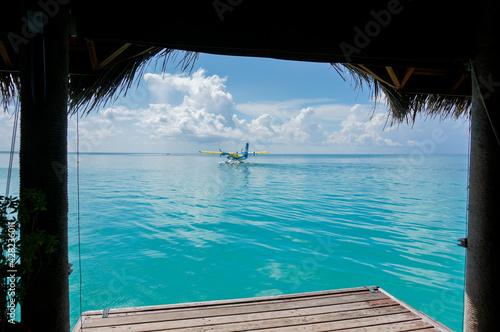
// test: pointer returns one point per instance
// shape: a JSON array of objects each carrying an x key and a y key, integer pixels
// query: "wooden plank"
[
  {"x": 406, "y": 77},
  {"x": 231, "y": 302},
  {"x": 261, "y": 308},
  {"x": 395, "y": 327},
  {"x": 114, "y": 55},
  {"x": 430, "y": 72},
  {"x": 351, "y": 310},
  {"x": 170, "y": 316},
  {"x": 371, "y": 73},
  {"x": 417, "y": 313},
  {"x": 92, "y": 55},
  {"x": 247, "y": 316},
  {"x": 79, "y": 324},
  {"x": 393, "y": 76},
  {"x": 5, "y": 55},
  {"x": 260, "y": 321},
  {"x": 458, "y": 83},
  {"x": 308, "y": 323}
]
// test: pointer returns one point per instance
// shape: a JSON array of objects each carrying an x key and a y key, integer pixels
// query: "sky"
[{"x": 276, "y": 105}]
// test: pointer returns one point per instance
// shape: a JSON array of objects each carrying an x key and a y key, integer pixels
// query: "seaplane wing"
[
  {"x": 222, "y": 153},
  {"x": 236, "y": 156},
  {"x": 212, "y": 152}
]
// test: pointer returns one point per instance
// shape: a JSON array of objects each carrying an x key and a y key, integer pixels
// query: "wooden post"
[
  {"x": 482, "y": 291},
  {"x": 43, "y": 162}
]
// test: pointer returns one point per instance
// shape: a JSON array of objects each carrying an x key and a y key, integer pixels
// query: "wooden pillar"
[
  {"x": 43, "y": 161},
  {"x": 482, "y": 291}
]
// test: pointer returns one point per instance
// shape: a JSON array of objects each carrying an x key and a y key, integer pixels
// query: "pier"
[{"x": 353, "y": 309}]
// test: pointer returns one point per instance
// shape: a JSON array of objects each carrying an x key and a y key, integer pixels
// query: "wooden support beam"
[
  {"x": 459, "y": 82},
  {"x": 371, "y": 73},
  {"x": 5, "y": 55},
  {"x": 144, "y": 52},
  {"x": 114, "y": 55},
  {"x": 430, "y": 72},
  {"x": 408, "y": 73},
  {"x": 393, "y": 76},
  {"x": 92, "y": 55}
]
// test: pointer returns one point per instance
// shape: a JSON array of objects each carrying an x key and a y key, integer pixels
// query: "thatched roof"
[
  {"x": 114, "y": 77},
  {"x": 9, "y": 83},
  {"x": 88, "y": 92},
  {"x": 405, "y": 104},
  {"x": 411, "y": 51},
  {"x": 103, "y": 72}
]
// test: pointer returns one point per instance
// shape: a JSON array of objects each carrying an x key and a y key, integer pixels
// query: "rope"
[
  {"x": 12, "y": 147},
  {"x": 467, "y": 212},
  {"x": 78, "y": 210}
]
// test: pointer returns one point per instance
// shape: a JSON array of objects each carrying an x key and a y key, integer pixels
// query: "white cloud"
[
  {"x": 200, "y": 92},
  {"x": 94, "y": 131},
  {"x": 185, "y": 122},
  {"x": 357, "y": 130},
  {"x": 298, "y": 129},
  {"x": 301, "y": 129},
  {"x": 334, "y": 112},
  {"x": 198, "y": 108},
  {"x": 206, "y": 112},
  {"x": 278, "y": 108},
  {"x": 119, "y": 113}
]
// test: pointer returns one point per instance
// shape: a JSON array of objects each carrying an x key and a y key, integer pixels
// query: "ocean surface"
[{"x": 160, "y": 229}]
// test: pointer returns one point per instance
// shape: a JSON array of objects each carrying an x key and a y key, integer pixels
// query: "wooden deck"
[{"x": 353, "y": 309}]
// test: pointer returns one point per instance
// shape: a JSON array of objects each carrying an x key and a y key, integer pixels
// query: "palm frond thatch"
[
  {"x": 9, "y": 85},
  {"x": 404, "y": 107},
  {"x": 87, "y": 92}
]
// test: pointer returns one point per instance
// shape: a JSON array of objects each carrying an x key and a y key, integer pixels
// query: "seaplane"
[{"x": 235, "y": 157}]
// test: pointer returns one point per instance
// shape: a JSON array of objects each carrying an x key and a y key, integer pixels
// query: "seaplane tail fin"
[{"x": 246, "y": 148}]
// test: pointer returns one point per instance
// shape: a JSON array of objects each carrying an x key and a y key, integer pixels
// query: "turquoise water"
[{"x": 158, "y": 229}]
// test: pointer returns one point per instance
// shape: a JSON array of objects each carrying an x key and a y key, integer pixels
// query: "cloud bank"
[{"x": 198, "y": 109}]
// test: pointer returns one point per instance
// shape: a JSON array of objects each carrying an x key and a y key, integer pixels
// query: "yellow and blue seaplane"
[{"x": 235, "y": 157}]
